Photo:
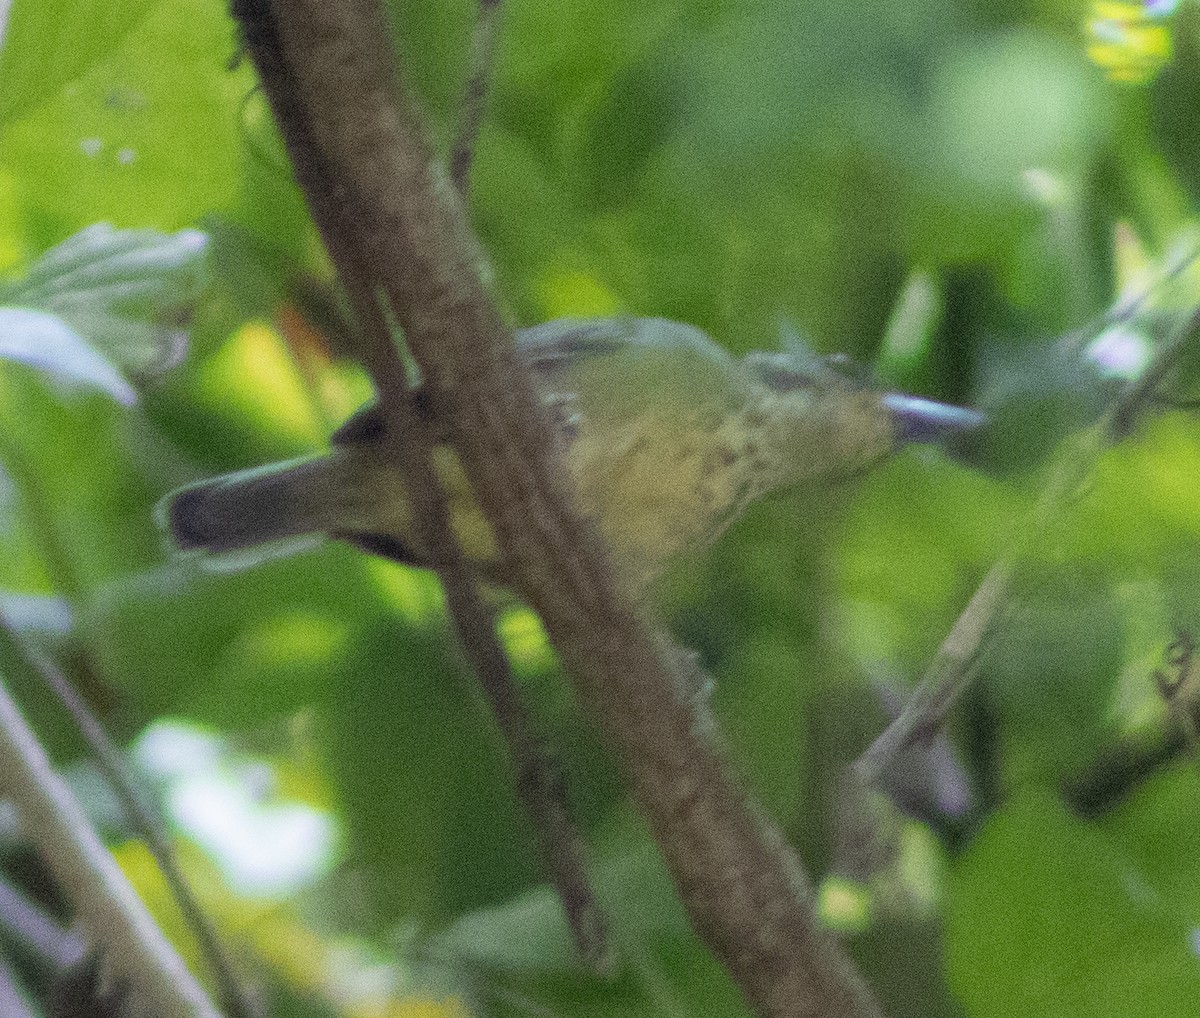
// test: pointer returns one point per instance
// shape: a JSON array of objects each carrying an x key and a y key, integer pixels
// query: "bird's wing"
[
  {"x": 607, "y": 370},
  {"x": 616, "y": 368}
]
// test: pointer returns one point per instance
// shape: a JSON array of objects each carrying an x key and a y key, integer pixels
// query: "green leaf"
[
  {"x": 46, "y": 342},
  {"x": 232, "y": 649},
  {"x": 426, "y": 783},
  {"x": 144, "y": 132},
  {"x": 522, "y": 950},
  {"x": 124, "y": 293},
  {"x": 1049, "y": 917},
  {"x": 1159, "y": 828},
  {"x": 46, "y": 45}
]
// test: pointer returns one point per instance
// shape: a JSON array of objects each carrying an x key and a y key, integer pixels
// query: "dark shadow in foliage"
[{"x": 84, "y": 992}]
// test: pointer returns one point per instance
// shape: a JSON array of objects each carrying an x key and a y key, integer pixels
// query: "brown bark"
[{"x": 380, "y": 198}]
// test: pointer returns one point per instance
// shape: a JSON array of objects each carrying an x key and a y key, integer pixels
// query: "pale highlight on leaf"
[{"x": 124, "y": 295}]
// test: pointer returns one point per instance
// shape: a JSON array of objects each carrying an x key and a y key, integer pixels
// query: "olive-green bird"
[{"x": 666, "y": 436}]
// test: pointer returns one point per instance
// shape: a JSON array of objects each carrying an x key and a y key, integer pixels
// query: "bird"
[{"x": 666, "y": 436}]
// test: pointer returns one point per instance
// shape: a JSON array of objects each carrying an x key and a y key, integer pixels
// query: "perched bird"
[{"x": 666, "y": 436}]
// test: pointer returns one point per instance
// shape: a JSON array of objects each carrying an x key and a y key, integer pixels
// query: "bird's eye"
[
  {"x": 788, "y": 373},
  {"x": 781, "y": 372}
]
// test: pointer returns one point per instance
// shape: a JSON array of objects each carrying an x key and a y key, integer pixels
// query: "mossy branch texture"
[{"x": 389, "y": 213}]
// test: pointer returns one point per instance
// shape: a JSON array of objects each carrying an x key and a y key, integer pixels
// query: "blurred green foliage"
[{"x": 955, "y": 192}]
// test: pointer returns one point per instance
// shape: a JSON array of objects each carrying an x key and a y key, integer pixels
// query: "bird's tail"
[{"x": 265, "y": 507}]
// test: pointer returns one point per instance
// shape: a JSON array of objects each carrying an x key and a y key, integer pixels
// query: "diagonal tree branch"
[
  {"x": 360, "y": 154},
  {"x": 107, "y": 906},
  {"x": 235, "y": 999},
  {"x": 560, "y": 845}
]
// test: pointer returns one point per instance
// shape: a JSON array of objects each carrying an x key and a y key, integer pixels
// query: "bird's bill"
[{"x": 926, "y": 420}]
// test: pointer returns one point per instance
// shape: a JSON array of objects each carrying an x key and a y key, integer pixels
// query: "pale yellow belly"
[{"x": 654, "y": 489}]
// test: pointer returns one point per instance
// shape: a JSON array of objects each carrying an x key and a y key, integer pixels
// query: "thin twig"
[
  {"x": 1122, "y": 766},
  {"x": 366, "y": 168},
  {"x": 1134, "y": 756},
  {"x": 1127, "y": 307},
  {"x": 952, "y": 668},
  {"x": 947, "y": 677},
  {"x": 474, "y": 103},
  {"x": 146, "y": 823},
  {"x": 109, "y": 909},
  {"x": 1140, "y": 396}
]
